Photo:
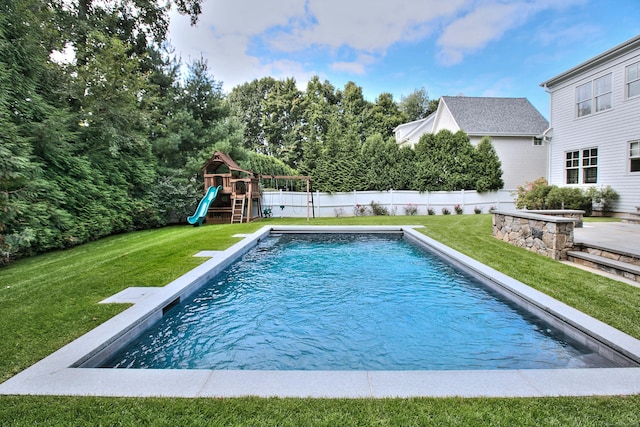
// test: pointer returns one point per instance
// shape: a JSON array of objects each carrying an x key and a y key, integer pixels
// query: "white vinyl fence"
[{"x": 291, "y": 204}]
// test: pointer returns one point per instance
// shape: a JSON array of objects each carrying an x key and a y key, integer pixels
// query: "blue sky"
[{"x": 497, "y": 48}]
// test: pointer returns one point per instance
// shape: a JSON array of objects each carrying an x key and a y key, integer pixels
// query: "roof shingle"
[{"x": 496, "y": 116}]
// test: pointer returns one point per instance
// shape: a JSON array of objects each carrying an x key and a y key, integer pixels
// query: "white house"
[
  {"x": 595, "y": 124},
  {"x": 513, "y": 124}
]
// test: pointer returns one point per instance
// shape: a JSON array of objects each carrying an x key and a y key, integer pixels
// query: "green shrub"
[
  {"x": 378, "y": 209},
  {"x": 605, "y": 197},
  {"x": 410, "y": 209},
  {"x": 567, "y": 198},
  {"x": 533, "y": 195}
]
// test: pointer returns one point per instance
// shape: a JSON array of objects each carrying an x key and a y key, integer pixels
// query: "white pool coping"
[{"x": 57, "y": 374}]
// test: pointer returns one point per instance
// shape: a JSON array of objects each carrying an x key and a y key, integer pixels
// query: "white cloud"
[
  {"x": 477, "y": 28},
  {"x": 247, "y": 39},
  {"x": 244, "y": 39},
  {"x": 487, "y": 22},
  {"x": 365, "y": 25}
]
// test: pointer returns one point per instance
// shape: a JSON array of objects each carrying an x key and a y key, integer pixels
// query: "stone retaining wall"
[
  {"x": 575, "y": 214},
  {"x": 546, "y": 235}
]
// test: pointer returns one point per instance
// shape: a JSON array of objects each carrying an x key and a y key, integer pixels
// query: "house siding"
[
  {"x": 522, "y": 162},
  {"x": 610, "y": 131},
  {"x": 444, "y": 120}
]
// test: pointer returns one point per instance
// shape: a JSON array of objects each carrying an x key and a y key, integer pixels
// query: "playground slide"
[{"x": 200, "y": 214}]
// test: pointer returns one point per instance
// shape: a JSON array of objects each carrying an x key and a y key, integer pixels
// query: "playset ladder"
[{"x": 238, "y": 210}]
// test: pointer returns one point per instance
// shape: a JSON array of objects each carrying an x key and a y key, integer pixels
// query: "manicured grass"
[
  {"x": 89, "y": 411},
  {"x": 49, "y": 300},
  {"x": 601, "y": 219}
]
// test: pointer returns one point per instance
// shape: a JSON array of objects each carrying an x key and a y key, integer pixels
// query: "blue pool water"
[{"x": 348, "y": 302}]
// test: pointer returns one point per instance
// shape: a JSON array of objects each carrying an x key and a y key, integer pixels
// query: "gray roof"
[{"x": 496, "y": 116}]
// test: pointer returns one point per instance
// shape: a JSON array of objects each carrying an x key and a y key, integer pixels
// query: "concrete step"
[
  {"x": 633, "y": 218},
  {"x": 620, "y": 268}
]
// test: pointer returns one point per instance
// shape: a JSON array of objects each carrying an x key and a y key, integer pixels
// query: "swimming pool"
[
  {"x": 73, "y": 370},
  {"x": 349, "y": 301}
]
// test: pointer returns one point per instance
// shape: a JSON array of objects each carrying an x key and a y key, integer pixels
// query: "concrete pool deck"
[
  {"x": 61, "y": 374},
  {"x": 619, "y": 236}
]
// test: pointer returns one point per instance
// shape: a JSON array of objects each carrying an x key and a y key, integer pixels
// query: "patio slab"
[{"x": 618, "y": 236}]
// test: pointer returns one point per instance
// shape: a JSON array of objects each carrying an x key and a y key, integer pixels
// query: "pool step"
[{"x": 625, "y": 265}]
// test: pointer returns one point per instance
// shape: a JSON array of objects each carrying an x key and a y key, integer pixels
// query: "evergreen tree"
[
  {"x": 319, "y": 107},
  {"x": 444, "y": 162},
  {"x": 383, "y": 116},
  {"x": 487, "y": 167},
  {"x": 16, "y": 91},
  {"x": 340, "y": 166},
  {"x": 353, "y": 109},
  {"x": 379, "y": 163}
]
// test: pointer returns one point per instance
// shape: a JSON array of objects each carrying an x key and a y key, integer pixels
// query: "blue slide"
[{"x": 201, "y": 213}]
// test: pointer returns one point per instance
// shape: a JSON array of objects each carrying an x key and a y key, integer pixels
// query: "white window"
[
  {"x": 573, "y": 166},
  {"x": 590, "y": 166},
  {"x": 581, "y": 166},
  {"x": 594, "y": 96},
  {"x": 583, "y": 99},
  {"x": 602, "y": 92},
  {"x": 633, "y": 80},
  {"x": 634, "y": 156}
]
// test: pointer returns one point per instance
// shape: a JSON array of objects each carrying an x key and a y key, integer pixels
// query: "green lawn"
[{"x": 49, "y": 300}]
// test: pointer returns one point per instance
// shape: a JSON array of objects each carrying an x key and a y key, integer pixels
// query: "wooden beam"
[{"x": 301, "y": 177}]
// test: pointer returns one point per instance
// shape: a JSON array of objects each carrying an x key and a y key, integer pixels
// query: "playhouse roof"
[{"x": 220, "y": 157}]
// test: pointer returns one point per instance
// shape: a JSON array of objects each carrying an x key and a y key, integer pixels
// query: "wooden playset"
[{"x": 232, "y": 194}]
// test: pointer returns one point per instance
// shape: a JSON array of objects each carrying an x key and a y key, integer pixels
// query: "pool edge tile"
[
  {"x": 481, "y": 383},
  {"x": 54, "y": 376},
  {"x": 317, "y": 384}
]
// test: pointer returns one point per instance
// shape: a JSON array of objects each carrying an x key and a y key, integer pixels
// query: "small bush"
[
  {"x": 533, "y": 195},
  {"x": 458, "y": 209},
  {"x": 604, "y": 197},
  {"x": 378, "y": 209},
  {"x": 410, "y": 209},
  {"x": 430, "y": 211},
  {"x": 567, "y": 198},
  {"x": 446, "y": 211},
  {"x": 360, "y": 210},
  {"x": 477, "y": 210}
]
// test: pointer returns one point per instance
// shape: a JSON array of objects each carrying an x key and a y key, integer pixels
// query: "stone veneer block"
[{"x": 544, "y": 234}]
